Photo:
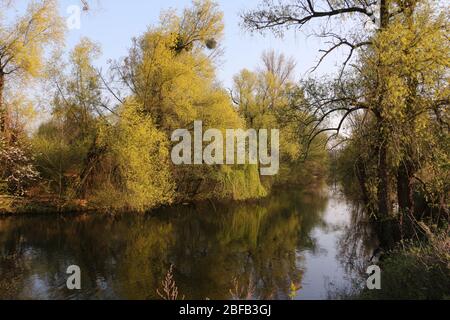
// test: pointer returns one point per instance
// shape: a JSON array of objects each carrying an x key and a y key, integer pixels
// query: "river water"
[{"x": 292, "y": 245}]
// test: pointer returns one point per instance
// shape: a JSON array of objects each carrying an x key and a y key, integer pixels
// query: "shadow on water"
[{"x": 291, "y": 245}]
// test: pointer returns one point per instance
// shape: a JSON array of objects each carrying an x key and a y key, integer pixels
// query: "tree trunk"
[
  {"x": 381, "y": 148},
  {"x": 384, "y": 206},
  {"x": 4, "y": 113},
  {"x": 362, "y": 179},
  {"x": 387, "y": 226},
  {"x": 405, "y": 192},
  {"x": 92, "y": 160},
  {"x": 384, "y": 14},
  {"x": 405, "y": 195}
]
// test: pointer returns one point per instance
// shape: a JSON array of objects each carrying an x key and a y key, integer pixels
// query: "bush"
[
  {"x": 16, "y": 169},
  {"x": 141, "y": 157},
  {"x": 416, "y": 271}
]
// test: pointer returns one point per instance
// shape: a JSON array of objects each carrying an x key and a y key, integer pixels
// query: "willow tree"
[
  {"x": 168, "y": 70},
  {"x": 403, "y": 80},
  {"x": 346, "y": 98},
  {"x": 408, "y": 68},
  {"x": 23, "y": 44},
  {"x": 170, "y": 74}
]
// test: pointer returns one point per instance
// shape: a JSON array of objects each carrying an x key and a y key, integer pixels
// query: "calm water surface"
[{"x": 294, "y": 244}]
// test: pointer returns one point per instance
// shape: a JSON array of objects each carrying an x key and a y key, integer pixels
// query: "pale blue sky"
[{"x": 113, "y": 23}]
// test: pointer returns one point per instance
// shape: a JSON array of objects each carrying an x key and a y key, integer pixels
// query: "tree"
[
  {"x": 18, "y": 171},
  {"x": 299, "y": 13},
  {"x": 22, "y": 49},
  {"x": 350, "y": 96},
  {"x": 66, "y": 144},
  {"x": 411, "y": 56},
  {"x": 170, "y": 74},
  {"x": 167, "y": 66},
  {"x": 270, "y": 98},
  {"x": 141, "y": 177}
]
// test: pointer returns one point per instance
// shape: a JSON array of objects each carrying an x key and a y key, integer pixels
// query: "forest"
[
  {"x": 107, "y": 143},
  {"x": 77, "y": 138}
]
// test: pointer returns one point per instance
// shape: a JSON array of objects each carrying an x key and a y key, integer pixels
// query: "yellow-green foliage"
[
  {"x": 174, "y": 83},
  {"x": 123, "y": 161},
  {"x": 404, "y": 76},
  {"x": 269, "y": 99},
  {"x": 23, "y": 43},
  {"x": 238, "y": 183},
  {"x": 62, "y": 144},
  {"x": 142, "y": 156},
  {"x": 245, "y": 183},
  {"x": 6, "y": 204},
  {"x": 415, "y": 271},
  {"x": 56, "y": 158}
]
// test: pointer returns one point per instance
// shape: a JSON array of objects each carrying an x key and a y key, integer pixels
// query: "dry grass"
[{"x": 169, "y": 289}]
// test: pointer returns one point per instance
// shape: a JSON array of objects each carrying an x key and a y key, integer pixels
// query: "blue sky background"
[{"x": 112, "y": 23}]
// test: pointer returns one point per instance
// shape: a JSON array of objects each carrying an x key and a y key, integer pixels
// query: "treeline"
[
  {"x": 399, "y": 150},
  {"x": 106, "y": 144},
  {"x": 390, "y": 100},
  {"x": 390, "y": 135}
]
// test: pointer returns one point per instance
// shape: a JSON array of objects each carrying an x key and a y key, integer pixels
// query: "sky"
[{"x": 113, "y": 23}]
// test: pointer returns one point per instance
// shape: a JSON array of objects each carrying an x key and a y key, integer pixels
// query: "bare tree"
[
  {"x": 337, "y": 100},
  {"x": 279, "y": 65}
]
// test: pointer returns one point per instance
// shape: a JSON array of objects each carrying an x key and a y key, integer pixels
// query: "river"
[{"x": 292, "y": 245}]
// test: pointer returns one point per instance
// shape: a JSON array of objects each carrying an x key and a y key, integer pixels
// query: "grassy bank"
[{"x": 415, "y": 271}]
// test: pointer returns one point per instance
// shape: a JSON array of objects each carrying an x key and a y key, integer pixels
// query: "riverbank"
[
  {"x": 418, "y": 270},
  {"x": 11, "y": 206},
  {"x": 415, "y": 271}
]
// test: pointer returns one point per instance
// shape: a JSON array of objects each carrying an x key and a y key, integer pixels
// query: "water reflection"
[{"x": 283, "y": 247}]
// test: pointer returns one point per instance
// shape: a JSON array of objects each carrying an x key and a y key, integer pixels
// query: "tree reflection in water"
[
  {"x": 256, "y": 246},
  {"x": 356, "y": 246}
]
